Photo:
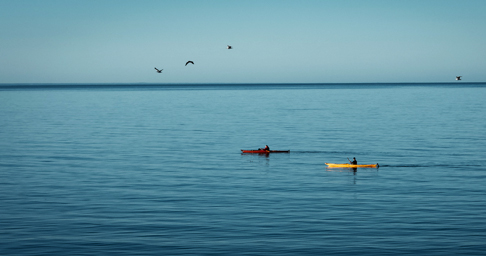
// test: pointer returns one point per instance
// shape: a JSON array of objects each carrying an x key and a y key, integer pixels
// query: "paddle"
[{"x": 349, "y": 160}]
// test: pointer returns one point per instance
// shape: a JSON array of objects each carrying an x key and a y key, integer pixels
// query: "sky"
[{"x": 274, "y": 41}]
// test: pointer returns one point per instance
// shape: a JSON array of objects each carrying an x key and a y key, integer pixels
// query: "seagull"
[
  {"x": 190, "y": 62},
  {"x": 229, "y": 47},
  {"x": 159, "y": 70},
  {"x": 458, "y": 78}
]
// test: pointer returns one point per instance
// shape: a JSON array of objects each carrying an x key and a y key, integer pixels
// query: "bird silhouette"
[
  {"x": 229, "y": 47},
  {"x": 159, "y": 70},
  {"x": 458, "y": 78},
  {"x": 190, "y": 62}
]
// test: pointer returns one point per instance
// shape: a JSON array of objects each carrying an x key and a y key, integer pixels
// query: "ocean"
[{"x": 144, "y": 169}]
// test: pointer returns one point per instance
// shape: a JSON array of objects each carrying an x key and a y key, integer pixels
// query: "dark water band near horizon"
[
  {"x": 131, "y": 169},
  {"x": 238, "y": 86}
]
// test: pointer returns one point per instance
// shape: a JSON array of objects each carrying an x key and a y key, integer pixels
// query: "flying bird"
[
  {"x": 458, "y": 78},
  {"x": 159, "y": 70},
  {"x": 229, "y": 47},
  {"x": 190, "y": 62}
]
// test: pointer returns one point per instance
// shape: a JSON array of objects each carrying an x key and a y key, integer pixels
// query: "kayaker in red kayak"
[{"x": 266, "y": 148}]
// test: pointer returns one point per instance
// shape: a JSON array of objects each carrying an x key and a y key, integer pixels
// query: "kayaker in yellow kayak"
[{"x": 354, "y": 162}]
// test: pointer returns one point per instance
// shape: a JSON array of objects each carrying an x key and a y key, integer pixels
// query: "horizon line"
[{"x": 237, "y": 83}]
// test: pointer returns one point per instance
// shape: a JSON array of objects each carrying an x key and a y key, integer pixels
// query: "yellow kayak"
[{"x": 330, "y": 165}]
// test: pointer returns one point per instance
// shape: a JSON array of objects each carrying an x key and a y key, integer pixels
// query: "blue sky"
[{"x": 88, "y": 41}]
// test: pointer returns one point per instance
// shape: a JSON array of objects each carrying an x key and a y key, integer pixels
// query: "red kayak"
[{"x": 260, "y": 151}]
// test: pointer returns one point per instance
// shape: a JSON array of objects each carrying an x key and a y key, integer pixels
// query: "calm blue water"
[{"x": 157, "y": 170}]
